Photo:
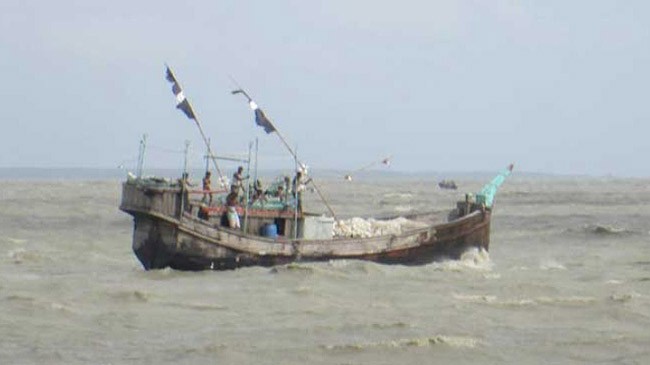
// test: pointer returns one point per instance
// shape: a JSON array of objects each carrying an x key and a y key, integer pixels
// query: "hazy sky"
[{"x": 554, "y": 86}]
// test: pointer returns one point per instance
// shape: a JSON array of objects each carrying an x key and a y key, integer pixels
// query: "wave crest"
[
  {"x": 453, "y": 341},
  {"x": 525, "y": 302},
  {"x": 472, "y": 259},
  {"x": 607, "y": 230},
  {"x": 21, "y": 255}
]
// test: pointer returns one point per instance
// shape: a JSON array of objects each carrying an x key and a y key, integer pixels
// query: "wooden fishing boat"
[{"x": 172, "y": 229}]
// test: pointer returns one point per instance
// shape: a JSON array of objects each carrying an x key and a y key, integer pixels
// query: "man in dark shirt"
[{"x": 207, "y": 190}]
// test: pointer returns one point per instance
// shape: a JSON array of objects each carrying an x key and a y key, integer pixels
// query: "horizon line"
[{"x": 392, "y": 171}]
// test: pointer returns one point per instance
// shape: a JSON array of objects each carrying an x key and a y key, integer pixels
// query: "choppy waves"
[
  {"x": 564, "y": 271},
  {"x": 603, "y": 230},
  {"x": 38, "y": 304},
  {"x": 140, "y": 296},
  {"x": 495, "y": 300},
  {"x": 452, "y": 341},
  {"x": 473, "y": 259},
  {"x": 131, "y": 296},
  {"x": 21, "y": 255},
  {"x": 606, "y": 230}
]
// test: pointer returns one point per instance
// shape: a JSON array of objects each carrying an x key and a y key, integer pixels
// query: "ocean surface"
[{"x": 566, "y": 281}]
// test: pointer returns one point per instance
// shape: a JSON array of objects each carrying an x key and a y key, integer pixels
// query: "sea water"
[{"x": 566, "y": 281}]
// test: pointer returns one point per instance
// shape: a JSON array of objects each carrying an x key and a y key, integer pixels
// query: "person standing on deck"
[
  {"x": 185, "y": 184},
  {"x": 286, "y": 189},
  {"x": 207, "y": 189},
  {"x": 231, "y": 210},
  {"x": 299, "y": 186},
  {"x": 237, "y": 184}
]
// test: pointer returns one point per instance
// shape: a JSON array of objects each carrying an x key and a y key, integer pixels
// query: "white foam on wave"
[
  {"x": 521, "y": 302},
  {"x": 343, "y": 267},
  {"x": 452, "y": 341},
  {"x": 551, "y": 264},
  {"x": 332, "y": 268},
  {"x": 198, "y": 306},
  {"x": 524, "y": 302},
  {"x": 398, "y": 195},
  {"x": 475, "y": 298},
  {"x": 604, "y": 229},
  {"x": 20, "y": 255},
  {"x": 519, "y": 268},
  {"x": 492, "y": 275},
  {"x": 305, "y": 268},
  {"x": 624, "y": 297},
  {"x": 60, "y": 307},
  {"x": 16, "y": 240},
  {"x": 39, "y": 304},
  {"x": 493, "y": 300},
  {"x": 473, "y": 259},
  {"x": 403, "y": 208},
  {"x": 571, "y": 300},
  {"x": 614, "y": 282}
]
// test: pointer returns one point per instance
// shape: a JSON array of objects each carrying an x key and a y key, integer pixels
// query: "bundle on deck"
[{"x": 363, "y": 228}]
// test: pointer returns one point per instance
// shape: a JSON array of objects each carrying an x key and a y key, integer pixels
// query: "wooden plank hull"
[{"x": 166, "y": 235}]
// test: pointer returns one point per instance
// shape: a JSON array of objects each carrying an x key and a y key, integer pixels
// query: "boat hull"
[{"x": 167, "y": 236}]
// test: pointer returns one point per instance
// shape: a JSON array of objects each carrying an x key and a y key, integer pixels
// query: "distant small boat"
[{"x": 448, "y": 184}]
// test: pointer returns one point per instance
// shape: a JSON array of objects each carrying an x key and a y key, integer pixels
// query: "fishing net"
[{"x": 363, "y": 228}]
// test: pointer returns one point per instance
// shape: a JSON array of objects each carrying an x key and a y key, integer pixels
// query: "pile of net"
[{"x": 363, "y": 228}]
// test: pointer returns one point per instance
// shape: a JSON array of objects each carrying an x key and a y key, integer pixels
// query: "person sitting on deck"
[
  {"x": 279, "y": 193},
  {"x": 258, "y": 192},
  {"x": 204, "y": 213},
  {"x": 207, "y": 190}
]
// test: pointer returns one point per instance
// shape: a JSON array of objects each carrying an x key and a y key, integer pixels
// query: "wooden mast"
[
  {"x": 292, "y": 152},
  {"x": 191, "y": 114}
]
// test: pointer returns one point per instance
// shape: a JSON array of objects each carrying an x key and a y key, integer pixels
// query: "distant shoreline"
[{"x": 43, "y": 173}]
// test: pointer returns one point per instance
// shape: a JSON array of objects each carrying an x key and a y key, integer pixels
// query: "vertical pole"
[
  {"x": 143, "y": 147},
  {"x": 212, "y": 155},
  {"x": 207, "y": 156},
  {"x": 295, "y": 156},
  {"x": 247, "y": 195},
  {"x": 295, "y": 197},
  {"x": 177, "y": 89},
  {"x": 187, "y": 149},
  {"x": 292, "y": 152},
  {"x": 256, "y": 151},
  {"x": 184, "y": 178}
]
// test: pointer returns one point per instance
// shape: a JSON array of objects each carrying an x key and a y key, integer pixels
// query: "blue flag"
[{"x": 261, "y": 119}]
